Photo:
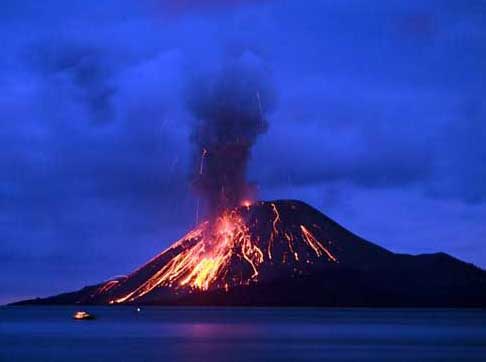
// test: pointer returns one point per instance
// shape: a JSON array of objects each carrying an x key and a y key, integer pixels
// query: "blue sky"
[{"x": 379, "y": 122}]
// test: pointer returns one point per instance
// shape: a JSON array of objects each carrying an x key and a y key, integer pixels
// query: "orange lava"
[
  {"x": 203, "y": 264},
  {"x": 223, "y": 254},
  {"x": 314, "y": 244}
]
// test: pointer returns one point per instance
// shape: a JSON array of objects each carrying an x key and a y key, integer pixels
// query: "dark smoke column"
[{"x": 229, "y": 110}]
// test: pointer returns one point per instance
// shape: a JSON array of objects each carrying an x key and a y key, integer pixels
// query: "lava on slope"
[{"x": 243, "y": 246}]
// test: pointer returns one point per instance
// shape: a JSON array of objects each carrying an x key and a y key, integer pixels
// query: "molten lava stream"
[
  {"x": 201, "y": 265},
  {"x": 223, "y": 254}
]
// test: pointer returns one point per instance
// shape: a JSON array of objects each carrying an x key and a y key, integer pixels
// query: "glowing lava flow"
[
  {"x": 203, "y": 264},
  {"x": 314, "y": 244},
  {"x": 274, "y": 233},
  {"x": 226, "y": 253}
]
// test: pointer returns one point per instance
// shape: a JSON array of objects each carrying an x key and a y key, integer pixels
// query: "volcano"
[{"x": 286, "y": 253}]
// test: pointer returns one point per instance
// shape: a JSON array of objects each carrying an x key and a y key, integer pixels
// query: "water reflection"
[{"x": 260, "y": 334}]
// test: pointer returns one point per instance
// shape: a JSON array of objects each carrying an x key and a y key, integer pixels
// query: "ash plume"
[{"x": 229, "y": 110}]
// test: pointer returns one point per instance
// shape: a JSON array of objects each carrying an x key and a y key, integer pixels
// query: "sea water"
[{"x": 121, "y": 334}]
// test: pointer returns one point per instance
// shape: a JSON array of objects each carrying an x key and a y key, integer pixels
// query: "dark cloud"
[
  {"x": 381, "y": 102},
  {"x": 77, "y": 190},
  {"x": 83, "y": 71},
  {"x": 347, "y": 137}
]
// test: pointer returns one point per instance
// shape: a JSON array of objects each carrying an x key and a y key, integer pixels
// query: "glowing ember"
[
  {"x": 246, "y": 203},
  {"x": 201, "y": 165}
]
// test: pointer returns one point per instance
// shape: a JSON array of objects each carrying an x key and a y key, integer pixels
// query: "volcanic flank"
[{"x": 286, "y": 253}]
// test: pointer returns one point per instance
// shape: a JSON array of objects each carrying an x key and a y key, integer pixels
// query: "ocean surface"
[{"x": 44, "y": 334}]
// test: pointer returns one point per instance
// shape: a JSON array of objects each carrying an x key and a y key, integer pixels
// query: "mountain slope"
[{"x": 286, "y": 253}]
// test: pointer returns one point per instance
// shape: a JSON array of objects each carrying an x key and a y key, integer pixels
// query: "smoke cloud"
[{"x": 229, "y": 110}]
